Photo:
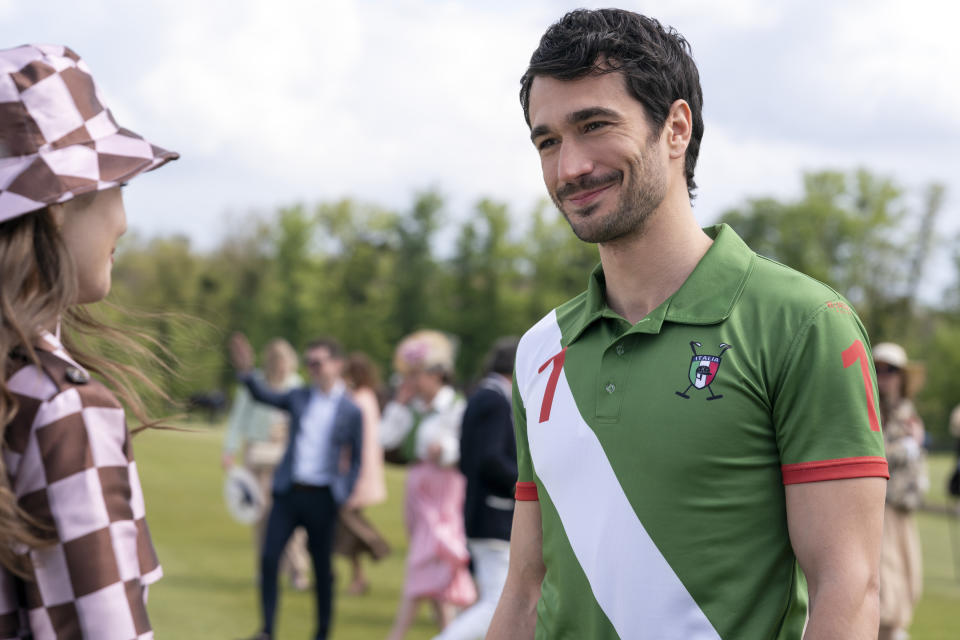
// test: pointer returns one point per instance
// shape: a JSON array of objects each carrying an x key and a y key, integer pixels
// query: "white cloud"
[
  {"x": 258, "y": 77},
  {"x": 903, "y": 53},
  {"x": 274, "y": 102}
]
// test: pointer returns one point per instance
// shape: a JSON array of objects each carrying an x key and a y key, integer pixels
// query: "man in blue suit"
[{"x": 309, "y": 484}]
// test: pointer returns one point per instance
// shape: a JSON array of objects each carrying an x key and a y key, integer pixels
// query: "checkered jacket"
[{"x": 70, "y": 464}]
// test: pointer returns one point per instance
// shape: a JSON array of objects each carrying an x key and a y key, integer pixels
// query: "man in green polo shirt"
[{"x": 698, "y": 445}]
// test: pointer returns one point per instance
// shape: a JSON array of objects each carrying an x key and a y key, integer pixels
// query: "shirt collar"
[
  {"x": 335, "y": 392},
  {"x": 707, "y": 296},
  {"x": 51, "y": 343}
]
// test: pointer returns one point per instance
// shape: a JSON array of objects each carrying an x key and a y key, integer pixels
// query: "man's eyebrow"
[
  {"x": 576, "y": 117},
  {"x": 591, "y": 112},
  {"x": 538, "y": 131}
]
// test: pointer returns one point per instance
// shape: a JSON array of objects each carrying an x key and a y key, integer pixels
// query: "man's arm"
[
  {"x": 516, "y": 615},
  {"x": 241, "y": 357},
  {"x": 835, "y": 529},
  {"x": 264, "y": 394}
]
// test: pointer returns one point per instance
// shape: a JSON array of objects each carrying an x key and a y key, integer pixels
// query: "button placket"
[{"x": 611, "y": 380}]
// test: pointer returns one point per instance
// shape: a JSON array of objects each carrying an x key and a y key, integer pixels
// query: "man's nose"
[{"x": 573, "y": 162}]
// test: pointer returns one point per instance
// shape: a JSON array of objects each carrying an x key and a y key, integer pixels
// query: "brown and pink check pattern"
[
  {"x": 70, "y": 464},
  {"x": 57, "y": 140}
]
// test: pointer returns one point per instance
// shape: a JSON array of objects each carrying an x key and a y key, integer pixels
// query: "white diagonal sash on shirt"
[{"x": 631, "y": 580}]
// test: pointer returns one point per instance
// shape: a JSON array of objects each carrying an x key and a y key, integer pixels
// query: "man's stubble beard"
[{"x": 640, "y": 196}]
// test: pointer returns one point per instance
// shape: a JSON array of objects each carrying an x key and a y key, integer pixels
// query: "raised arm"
[
  {"x": 835, "y": 529},
  {"x": 516, "y": 615}
]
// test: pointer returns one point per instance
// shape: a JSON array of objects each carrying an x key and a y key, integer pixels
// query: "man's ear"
[{"x": 678, "y": 128}]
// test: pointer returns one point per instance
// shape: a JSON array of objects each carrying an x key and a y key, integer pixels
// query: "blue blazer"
[
  {"x": 488, "y": 459},
  {"x": 347, "y": 432}
]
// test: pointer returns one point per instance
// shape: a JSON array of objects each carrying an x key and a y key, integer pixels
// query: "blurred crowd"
[{"x": 460, "y": 457}]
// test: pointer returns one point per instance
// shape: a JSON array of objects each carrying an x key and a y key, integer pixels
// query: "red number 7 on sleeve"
[
  {"x": 850, "y": 355},
  {"x": 551, "y": 389}
]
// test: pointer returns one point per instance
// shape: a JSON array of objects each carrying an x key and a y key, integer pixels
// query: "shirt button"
[
  {"x": 620, "y": 349},
  {"x": 610, "y": 387}
]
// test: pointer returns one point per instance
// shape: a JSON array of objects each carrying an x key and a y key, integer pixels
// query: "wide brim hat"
[
  {"x": 57, "y": 139},
  {"x": 243, "y": 496},
  {"x": 424, "y": 350},
  {"x": 914, "y": 373}
]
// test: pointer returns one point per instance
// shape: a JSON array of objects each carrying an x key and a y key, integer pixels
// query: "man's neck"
[
  {"x": 643, "y": 271},
  {"x": 325, "y": 386}
]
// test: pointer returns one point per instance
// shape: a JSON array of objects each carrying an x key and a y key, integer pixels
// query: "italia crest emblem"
[{"x": 703, "y": 370}]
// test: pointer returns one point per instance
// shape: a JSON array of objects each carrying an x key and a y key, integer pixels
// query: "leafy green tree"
[
  {"x": 359, "y": 262},
  {"x": 479, "y": 299},
  {"x": 416, "y": 267}
]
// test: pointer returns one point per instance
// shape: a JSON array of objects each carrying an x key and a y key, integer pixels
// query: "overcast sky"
[{"x": 276, "y": 102}]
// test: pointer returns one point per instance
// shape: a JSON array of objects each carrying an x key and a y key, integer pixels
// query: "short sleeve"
[
  {"x": 825, "y": 408},
  {"x": 526, "y": 488}
]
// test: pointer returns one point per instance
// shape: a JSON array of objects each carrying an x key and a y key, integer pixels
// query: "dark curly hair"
[{"x": 656, "y": 62}]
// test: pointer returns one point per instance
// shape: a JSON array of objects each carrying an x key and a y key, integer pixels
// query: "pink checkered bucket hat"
[{"x": 57, "y": 139}]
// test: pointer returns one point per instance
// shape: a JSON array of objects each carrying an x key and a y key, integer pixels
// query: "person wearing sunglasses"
[{"x": 310, "y": 484}]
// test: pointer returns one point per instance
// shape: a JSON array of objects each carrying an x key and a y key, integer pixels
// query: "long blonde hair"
[
  {"x": 279, "y": 362},
  {"x": 37, "y": 290}
]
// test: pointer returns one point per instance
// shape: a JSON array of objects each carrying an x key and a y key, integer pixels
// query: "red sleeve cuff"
[
  {"x": 820, "y": 470},
  {"x": 526, "y": 491}
]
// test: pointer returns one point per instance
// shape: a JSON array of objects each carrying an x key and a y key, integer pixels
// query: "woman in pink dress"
[{"x": 423, "y": 422}]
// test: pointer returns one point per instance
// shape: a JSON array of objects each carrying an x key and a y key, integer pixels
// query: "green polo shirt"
[{"x": 659, "y": 450}]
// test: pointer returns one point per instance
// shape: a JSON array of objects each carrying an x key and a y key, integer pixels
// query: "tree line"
[{"x": 369, "y": 275}]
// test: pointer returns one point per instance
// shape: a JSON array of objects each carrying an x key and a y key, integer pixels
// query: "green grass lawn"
[{"x": 208, "y": 590}]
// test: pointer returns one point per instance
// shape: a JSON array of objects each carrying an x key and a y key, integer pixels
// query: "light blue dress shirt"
[{"x": 310, "y": 464}]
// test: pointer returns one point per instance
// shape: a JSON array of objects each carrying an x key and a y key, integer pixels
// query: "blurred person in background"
[
  {"x": 317, "y": 473},
  {"x": 901, "y": 566},
  {"x": 76, "y": 557},
  {"x": 355, "y": 536},
  {"x": 488, "y": 460},
  {"x": 423, "y": 422},
  {"x": 258, "y": 433}
]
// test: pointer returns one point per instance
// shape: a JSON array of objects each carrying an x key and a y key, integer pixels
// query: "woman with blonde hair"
[
  {"x": 355, "y": 534},
  {"x": 901, "y": 567},
  {"x": 423, "y": 422},
  {"x": 258, "y": 433},
  {"x": 76, "y": 558}
]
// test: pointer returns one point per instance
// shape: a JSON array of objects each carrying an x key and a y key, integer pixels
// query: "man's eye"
[
  {"x": 591, "y": 126},
  {"x": 544, "y": 144}
]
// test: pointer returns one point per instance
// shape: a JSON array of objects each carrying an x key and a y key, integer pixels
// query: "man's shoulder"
[
  {"x": 486, "y": 396},
  {"x": 774, "y": 285}
]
